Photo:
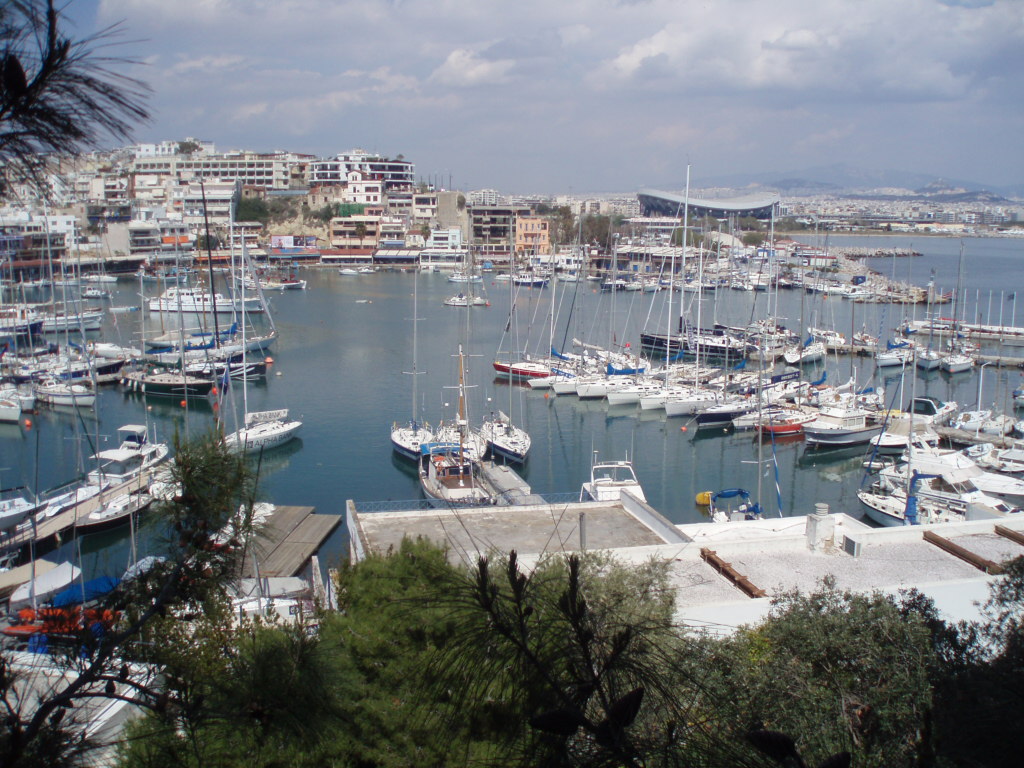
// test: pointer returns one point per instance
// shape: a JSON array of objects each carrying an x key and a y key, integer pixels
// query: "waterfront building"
[
  {"x": 655, "y": 202},
  {"x": 532, "y": 236},
  {"x": 493, "y": 230},
  {"x": 206, "y": 199},
  {"x": 158, "y": 239}
]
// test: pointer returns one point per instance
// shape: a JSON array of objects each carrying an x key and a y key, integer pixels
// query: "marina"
[{"x": 337, "y": 366}]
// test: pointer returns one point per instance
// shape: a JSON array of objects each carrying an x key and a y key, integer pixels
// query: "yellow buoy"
[{"x": 704, "y": 498}]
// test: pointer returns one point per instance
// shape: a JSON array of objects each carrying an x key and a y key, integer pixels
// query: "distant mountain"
[{"x": 865, "y": 182}]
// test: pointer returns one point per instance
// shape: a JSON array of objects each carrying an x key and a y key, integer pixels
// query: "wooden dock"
[
  {"x": 291, "y": 536},
  {"x": 51, "y": 533}
]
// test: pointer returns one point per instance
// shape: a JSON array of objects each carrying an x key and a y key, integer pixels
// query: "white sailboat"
[
  {"x": 504, "y": 439},
  {"x": 262, "y": 430},
  {"x": 408, "y": 438}
]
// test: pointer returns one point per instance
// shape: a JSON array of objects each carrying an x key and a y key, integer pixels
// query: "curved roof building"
[{"x": 654, "y": 202}]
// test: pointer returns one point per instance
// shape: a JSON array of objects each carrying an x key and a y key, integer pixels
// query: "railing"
[{"x": 407, "y": 505}]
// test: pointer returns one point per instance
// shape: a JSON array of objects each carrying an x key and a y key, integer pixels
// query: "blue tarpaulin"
[{"x": 84, "y": 592}]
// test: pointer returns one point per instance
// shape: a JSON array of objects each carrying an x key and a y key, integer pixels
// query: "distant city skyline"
[{"x": 588, "y": 96}]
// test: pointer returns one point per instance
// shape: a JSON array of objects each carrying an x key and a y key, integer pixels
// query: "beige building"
[{"x": 532, "y": 235}]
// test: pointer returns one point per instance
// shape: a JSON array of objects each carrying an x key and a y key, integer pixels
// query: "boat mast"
[
  {"x": 686, "y": 219},
  {"x": 415, "y": 371},
  {"x": 209, "y": 262}
]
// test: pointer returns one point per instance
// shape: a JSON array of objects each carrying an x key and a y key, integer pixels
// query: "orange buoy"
[
  {"x": 269, "y": 360},
  {"x": 547, "y": 395},
  {"x": 184, "y": 403},
  {"x": 28, "y": 423},
  {"x": 213, "y": 391},
  {"x": 682, "y": 429}
]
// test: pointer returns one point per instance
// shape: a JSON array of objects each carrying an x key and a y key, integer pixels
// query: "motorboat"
[
  {"x": 840, "y": 425},
  {"x": 55, "y": 392},
  {"x": 130, "y": 459},
  {"x": 609, "y": 480},
  {"x": 462, "y": 300},
  {"x": 189, "y": 301},
  {"x": 721, "y": 509}
]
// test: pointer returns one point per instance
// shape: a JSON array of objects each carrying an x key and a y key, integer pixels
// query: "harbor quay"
[{"x": 724, "y": 573}]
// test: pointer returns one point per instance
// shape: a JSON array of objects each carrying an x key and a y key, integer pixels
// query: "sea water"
[{"x": 345, "y": 351}]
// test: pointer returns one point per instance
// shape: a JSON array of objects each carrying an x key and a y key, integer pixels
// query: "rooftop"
[{"x": 771, "y": 555}]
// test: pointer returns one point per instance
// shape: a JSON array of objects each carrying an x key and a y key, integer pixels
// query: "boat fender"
[{"x": 703, "y": 498}]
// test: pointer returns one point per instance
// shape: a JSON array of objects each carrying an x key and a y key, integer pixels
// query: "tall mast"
[{"x": 686, "y": 220}]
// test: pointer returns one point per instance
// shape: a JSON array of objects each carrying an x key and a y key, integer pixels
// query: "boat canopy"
[{"x": 86, "y": 591}]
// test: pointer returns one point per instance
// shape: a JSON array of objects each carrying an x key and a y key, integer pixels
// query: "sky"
[{"x": 576, "y": 96}]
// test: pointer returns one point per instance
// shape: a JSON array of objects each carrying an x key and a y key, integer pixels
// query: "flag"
[{"x": 226, "y": 378}]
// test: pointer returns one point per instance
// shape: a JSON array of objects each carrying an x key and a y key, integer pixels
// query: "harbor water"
[{"x": 345, "y": 348}]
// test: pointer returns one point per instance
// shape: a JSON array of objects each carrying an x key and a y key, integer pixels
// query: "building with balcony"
[{"x": 532, "y": 236}]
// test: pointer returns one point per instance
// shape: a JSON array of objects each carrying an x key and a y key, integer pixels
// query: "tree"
[
  {"x": 753, "y": 238},
  {"x": 252, "y": 209},
  {"x": 58, "y": 96},
  {"x": 111, "y": 655},
  {"x": 360, "y": 231},
  {"x": 187, "y": 147},
  {"x": 580, "y": 658},
  {"x": 836, "y": 671}
]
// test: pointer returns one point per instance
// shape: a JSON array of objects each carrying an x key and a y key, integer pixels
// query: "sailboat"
[
  {"x": 448, "y": 471},
  {"x": 957, "y": 361},
  {"x": 504, "y": 439},
  {"x": 406, "y": 439},
  {"x": 262, "y": 430}
]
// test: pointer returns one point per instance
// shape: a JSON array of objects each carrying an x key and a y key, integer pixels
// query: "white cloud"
[
  {"x": 465, "y": 68},
  {"x": 741, "y": 81}
]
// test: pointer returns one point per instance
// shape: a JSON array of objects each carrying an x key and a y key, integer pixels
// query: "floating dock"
[{"x": 290, "y": 537}]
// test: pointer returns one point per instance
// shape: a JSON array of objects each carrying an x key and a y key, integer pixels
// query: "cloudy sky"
[{"x": 573, "y": 96}]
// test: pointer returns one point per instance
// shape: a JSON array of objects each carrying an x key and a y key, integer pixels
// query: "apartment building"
[
  {"x": 334, "y": 171},
  {"x": 272, "y": 171},
  {"x": 532, "y": 235},
  {"x": 205, "y": 200}
]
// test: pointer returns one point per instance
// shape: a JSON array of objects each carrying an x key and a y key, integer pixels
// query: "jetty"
[{"x": 287, "y": 541}]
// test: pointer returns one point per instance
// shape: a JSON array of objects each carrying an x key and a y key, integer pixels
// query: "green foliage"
[
  {"x": 187, "y": 147},
  {"x": 323, "y": 214},
  {"x": 188, "y": 584},
  {"x": 252, "y": 209},
  {"x": 753, "y": 238},
  {"x": 596, "y": 229},
  {"x": 581, "y": 657},
  {"x": 563, "y": 225},
  {"x": 579, "y": 663},
  {"x": 834, "y": 670},
  {"x": 281, "y": 209}
]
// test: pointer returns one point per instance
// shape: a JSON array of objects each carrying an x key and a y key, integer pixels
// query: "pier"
[
  {"x": 50, "y": 533},
  {"x": 287, "y": 541}
]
